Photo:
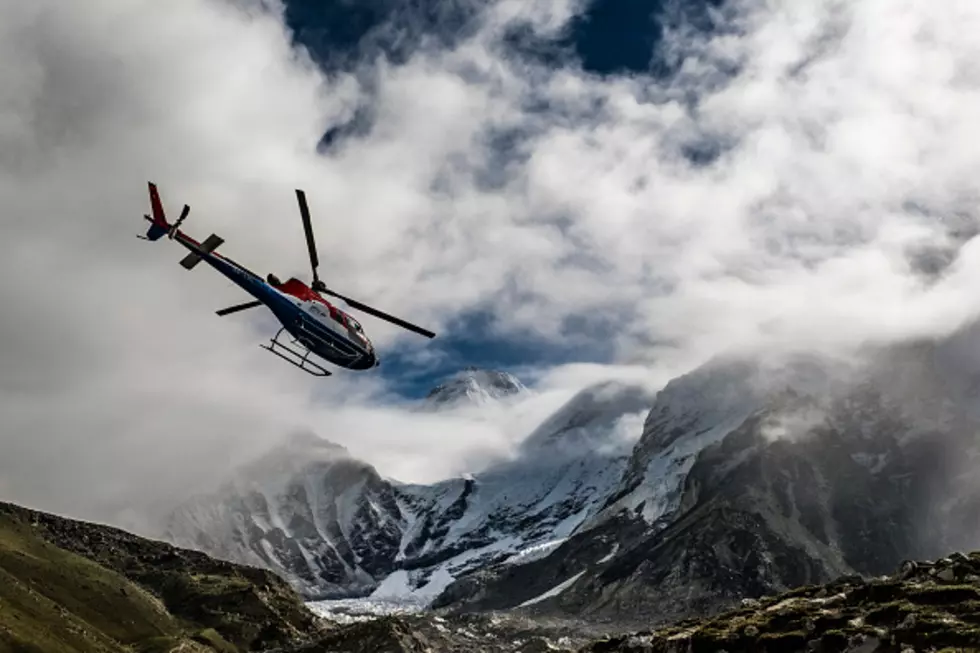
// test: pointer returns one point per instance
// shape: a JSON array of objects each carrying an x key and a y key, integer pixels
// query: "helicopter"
[{"x": 317, "y": 327}]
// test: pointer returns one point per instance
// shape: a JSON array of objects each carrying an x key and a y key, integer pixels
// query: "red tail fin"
[
  {"x": 159, "y": 217},
  {"x": 160, "y": 227}
]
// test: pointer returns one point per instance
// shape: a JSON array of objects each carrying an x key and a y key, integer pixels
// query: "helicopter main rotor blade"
[
  {"x": 238, "y": 307},
  {"x": 308, "y": 228},
  {"x": 384, "y": 316}
]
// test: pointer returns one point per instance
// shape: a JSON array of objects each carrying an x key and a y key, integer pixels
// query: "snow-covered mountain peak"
[
  {"x": 307, "y": 443},
  {"x": 296, "y": 453},
  {"x": 605, "y": 418},
  {"x": 473, "y": 385}
]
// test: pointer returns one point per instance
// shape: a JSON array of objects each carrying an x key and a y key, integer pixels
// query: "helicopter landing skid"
[{"x": 298, "y": 359}]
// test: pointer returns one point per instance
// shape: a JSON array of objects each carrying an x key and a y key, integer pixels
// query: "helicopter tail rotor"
[{"x": 159, "y": 227}]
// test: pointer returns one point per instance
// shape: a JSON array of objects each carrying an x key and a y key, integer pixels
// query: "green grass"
[
  {"x": 70, "y": 586},
  {"x": 53, "y": 601}
]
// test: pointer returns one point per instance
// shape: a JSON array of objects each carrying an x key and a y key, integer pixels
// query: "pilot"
[{"x": 273, "y": 280}]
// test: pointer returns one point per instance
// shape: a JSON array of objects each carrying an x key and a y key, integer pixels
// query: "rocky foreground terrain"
[{"x": 69, "y": 586}]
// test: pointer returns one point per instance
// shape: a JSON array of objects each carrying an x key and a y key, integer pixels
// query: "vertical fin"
[
  {"x": 158, "y": 223},
  {"x": 159, "y": 217}
]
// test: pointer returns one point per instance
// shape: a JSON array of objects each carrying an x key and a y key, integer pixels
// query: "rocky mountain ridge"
[
  {"x": 333, "y": 527},
  {"x": 808, "y": 487}
]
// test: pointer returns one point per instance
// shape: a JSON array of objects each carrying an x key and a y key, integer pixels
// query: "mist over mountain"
[
  {"x": 474, "y": 386},
  {"x": 334, "y": 527}
]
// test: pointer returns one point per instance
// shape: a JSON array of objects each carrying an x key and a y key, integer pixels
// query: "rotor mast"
[{"x": 319, "y": 287}]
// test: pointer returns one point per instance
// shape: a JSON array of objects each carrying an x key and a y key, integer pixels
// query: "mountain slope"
[
  {"x": 309, "y": 511},
  {"x": 688, "y": 415},
  {"x": 850, "y": 475},
  {"x": 73, "y": 586},
  {"x": 521, "y": 509},
  {"x": 751, "y": 479}
]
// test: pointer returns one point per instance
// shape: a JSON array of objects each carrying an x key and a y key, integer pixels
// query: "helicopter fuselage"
[{"x": 319, "y": 326}]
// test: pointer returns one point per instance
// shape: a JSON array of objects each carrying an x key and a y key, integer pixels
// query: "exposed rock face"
[
  {"x": 687, "y": 416},
  {"x": 805, "y": 489},
  {"x": 309, "y": 511},
  {"x": 521, "y": 510}
]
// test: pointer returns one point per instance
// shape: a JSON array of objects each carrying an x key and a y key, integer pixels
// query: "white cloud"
[{"x": 847, "y": 138}]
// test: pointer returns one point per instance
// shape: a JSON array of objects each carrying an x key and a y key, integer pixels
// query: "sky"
[{"x": 799, "y": 176}]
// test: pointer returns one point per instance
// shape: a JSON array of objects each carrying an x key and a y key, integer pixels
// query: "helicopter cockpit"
[{"x": 357, "y": 331}]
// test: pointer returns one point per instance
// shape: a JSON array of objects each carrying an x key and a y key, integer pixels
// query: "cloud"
[{"x": 841, "y": 137}]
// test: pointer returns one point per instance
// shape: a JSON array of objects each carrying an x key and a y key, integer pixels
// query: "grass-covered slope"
[
  {"x": 68, "y": 586},
  {"x": 924, "y": 607}
]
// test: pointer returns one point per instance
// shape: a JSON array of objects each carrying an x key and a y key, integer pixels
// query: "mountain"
[
  {"x": 69, "y": 586},
  {"x": 808, "y": 488},
  {"x": 307, "y": 510},
  {"x": 750, "y": 479},
  {"x": 740, "y": 478},
  {"x": 474, "y": 386},
  {"x": 334, "y": 528},
  {"x": 521, "y": 509}
]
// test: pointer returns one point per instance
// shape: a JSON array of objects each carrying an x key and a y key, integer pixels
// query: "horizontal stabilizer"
[
  {"x": 211, "y": 243},
  {"x": 208, "y": 246},
  {"x": 190, "y": 260}
]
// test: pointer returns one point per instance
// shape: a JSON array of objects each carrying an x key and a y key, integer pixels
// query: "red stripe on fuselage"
[{"x": 301, "y": 291}]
